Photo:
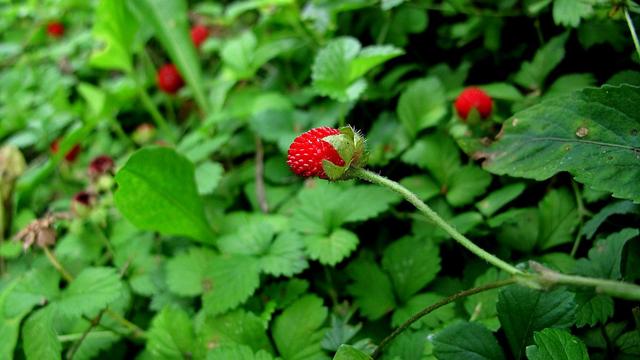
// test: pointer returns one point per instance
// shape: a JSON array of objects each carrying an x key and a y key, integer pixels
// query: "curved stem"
[
  {"x": 433, "y": 307},
  {"x": 57, "y": 265},
  {"x": 433, "y": 216},
  {"x": 632, "y": 28}
]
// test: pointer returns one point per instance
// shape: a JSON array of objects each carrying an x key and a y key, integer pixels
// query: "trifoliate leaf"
[
  {"x": 373, "y": 301},
  {"x": 186, "y": 271},
  {"x": 297, "y": 331},
  {"x": 422, "y": 105},
  {"x": 92, "y": 290},
  {"x": 171, "y": 334},
  {"x": 431, "y": 321},
  {"x": 40, "y": 340},
  {"x": 465, "y": 341},
  {"x": 556, "y": 344},
  {"x": 229, "y": 281},
  {"x": 411, "y": 263},
  {"x": 523, "y": 310},
  {"x": 285, "y": 256},
  {"x": 333, "y": 248},
  {"x": 558, "y": 219}
]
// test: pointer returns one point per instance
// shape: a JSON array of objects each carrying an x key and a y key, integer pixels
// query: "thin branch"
[{"x": 632, "y": 29}]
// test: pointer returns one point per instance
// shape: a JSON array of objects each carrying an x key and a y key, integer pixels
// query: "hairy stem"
[
  {"x": 433, "y": 307},
  {"x": 433, "y": 216}
]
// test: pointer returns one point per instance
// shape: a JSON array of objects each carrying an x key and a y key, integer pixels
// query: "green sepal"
[
  {"x": 343, "y": 145},
  {"x": 350, "y": 145},
  {"x": 333, "y": 171}
]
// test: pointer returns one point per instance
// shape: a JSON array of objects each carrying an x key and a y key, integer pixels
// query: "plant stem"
[
  {"x": 431, "y": 308},
  {"x": 632, "y": 28},
  {"x": 137, "y": 331},
  {"x": 433, "y": 216},
  {"x": 581, "y": 211}
]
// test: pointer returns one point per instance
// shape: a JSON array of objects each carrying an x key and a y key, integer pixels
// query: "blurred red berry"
[
  {"x": 199, "y": 34},
  {"x": 473, "y": 97},
  {"x": 82, "y": 203},
  {"x": 71, "y": 155},
  {"x": 308, "y": 150},
  {"x": 169, "y": 79},
  {"x": 100, "y": 165},
  {"x": 55, "y": 29}
]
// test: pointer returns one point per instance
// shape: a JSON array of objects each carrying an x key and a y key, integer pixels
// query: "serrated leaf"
[
  {"x": 348, "y": 352},
  {"x": 592, "y": 308},
  {"x": 417, "y": 303},
  {"x": 339, "y": 65},
  {"x": 533, "y": 74},
  {"x": 40, "y": 340},
  {"x": 115, "y": 27},
  {"x": 422, "y": 105},
  {"x": 466, "y": 341},
  {"x": 234, "y": 328},
  {"x": 412, "y": 264},
  {"x": 169, "y": 20},
  {"x": 333, "y": 248},
  {"x": 171, "y": 334},
  {"x": 229, "y": 281},
  {"x": 186, "y": 271},
  {"x": 285, "y": 256},
  {"x": 9, "y": 325},
  {"x": 556, "y": 344},
  {"x": 376, "y": 301},
  {"x": 499, "y": 198},
  {"x": 297, "y": 331},
  {"x": 558, "y": 219},
  {"x": 37, "y": 286},
  {"x": 589, "y": 133},
  {"x": 605, "y": 257},
  {"x": 157, "y": 191},
  {"x": 570, "y": 12},
  {"x": 95, "y": 342},
  {"x": 466, "y": 184},
  {"x": 523, "y": 310},
  {"x": 92, "y": 290},
  {"x": 237, "y": 352}
]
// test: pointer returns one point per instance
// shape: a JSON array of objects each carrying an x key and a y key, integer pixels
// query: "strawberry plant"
[{"x": 350, "y": 180}]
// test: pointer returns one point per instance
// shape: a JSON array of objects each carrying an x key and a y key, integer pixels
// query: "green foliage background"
[{"x": 203, "y": 245}]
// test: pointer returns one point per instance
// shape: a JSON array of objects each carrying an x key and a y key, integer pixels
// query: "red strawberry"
[
  {"x": 473, "y": 97},
  {"x": 169, "y": 79},
  {"x": 308, "y": 150},
  {"x": 55, "y": 29},
  {"x": 100, "y": 165},
  {"x": 71, "y": 155},
  {"x": 199, "y": 34}
]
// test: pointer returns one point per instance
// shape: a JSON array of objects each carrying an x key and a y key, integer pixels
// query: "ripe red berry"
[
  {"x": 473, "y": 97},
  {"x": 169, "y": 79},
  {"x": 100, "y": 165},
  {"x": 308, "y": 150},
  {"x": 199, "y": 34},
  {"x": 71, "y": 155},
  {"x": 55, "y": 29}
]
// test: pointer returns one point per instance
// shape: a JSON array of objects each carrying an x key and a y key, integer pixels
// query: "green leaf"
[
  {"x": 592, "y": 308},
  {"x": 333, "y": 248},
  {"x": 606, "y": 255},
  {"x": 466, "y": 341},
  {"x": 157, "y": 191},
  {"x": 620, "y": 207},
  {"x": 570, "y": 12},
  {"x": 502, "y": 91},
  {"x": 237, "y": 352},
  {"x": 285, "y": 256},
  {"x": 40, "y": 340},
  {"x": 421, "y": 185},
  {"x": 10, "y": 325},
  {"x": 412, "y": 264},
  {"x": 37, "y": 286},
  {"x": 348, "y": 352},
  {"x": 186, "y": 271},
  {"x": 417, "y": 303},
  {"x": 558, "y": 218},
  {"x": 517, "y": 228},
  {"x": 556, "y": 344},
  {"x": 422, "y": 105},
  {"x": 92, "y": 290},
  {"x": 115, "y": 27},
  {"x": 482, "y": 307},
  {"x": 208, "y": 175},
  {"x": 230, "y": 280},
  {"x": 374, "y": 301},
  {"x": 589, "y": 133},
  {"x": 338, "y": 67},
  {"x": 234, "y": 328},
  {"x": 169, "y": 20},
  {"x": 171, "y": 334},
  {"x": 437, "y": 153},
  {"x": 244, "y": 56},
  {"x": 499, "y": 198},
  {"x": 533, "y": 74},
  {"x": 466, "y": 184},
  {"x": 523, "y": 310},
  {"x": 297, "y": 331}
]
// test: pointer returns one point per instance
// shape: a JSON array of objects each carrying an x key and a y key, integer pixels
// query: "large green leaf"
[
  {"x": 591, "y": 133},
  {"x": 116, "y": 27},
  {"x": 229, "y": 281},
  {"x": 169, "y": 20},
  {"x": 523, "y": 310},
  {"x": 466, "y": 341},
  {"x": 40, "y": 340},
  {"x": 422, "y": 105},
  {"x": 93, "y": 289},
  {"x": 297, "y": 331},
  {"x": 374, "y": 301},
  {"x": 157, "y": 191},
  {"x": 556, "y": 344}
]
